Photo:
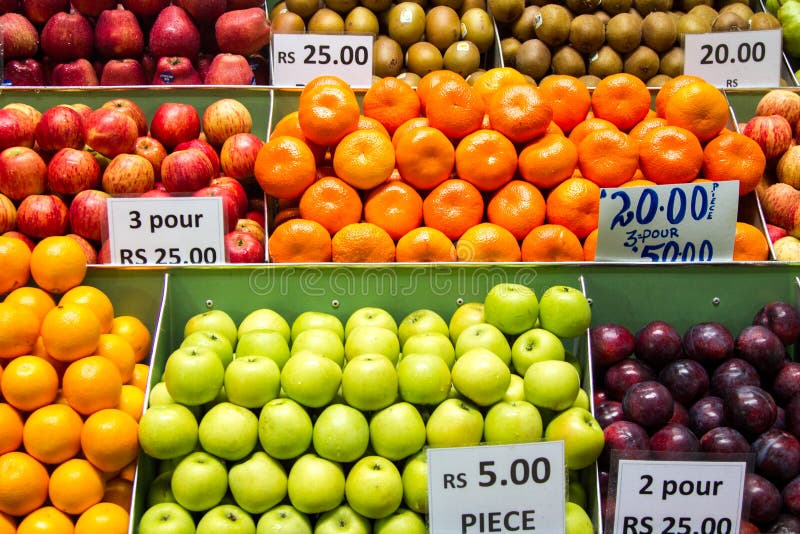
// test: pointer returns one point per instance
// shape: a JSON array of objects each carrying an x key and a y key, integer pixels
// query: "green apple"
[
  {"x": 397, "y": 431},
  {"x": 257, "y": 483},
  {"x": 213, "y": 320},
  {"x": 228, "y": 431},
  {"x": 166, "y": 518},
  {"x": 513, "y": 308},
  {"x": 265, "y": 318},
  {"x": 576, "y": 493},
  {"x": 486, "y": 336},
  {"x": 341, "y": 433},
  {"x": 465, "y": 315},
  {"x": 576, "y": 520},
  {"x": 315, "y": 319},
  {"x": 252, "y": 381},
  {"x": 571, "y": 358},
  {"x": 481, "y": 376},
  {"x": 322, "y": 341},
  {"x": 315, "y": 484},
  {"x": 369, "y": 382},
  {"x": 516, "y": 389},
  {"x": 283, "y": 519},
  {"x": 371, "y": 316},
  {"x": 582, "y": 400},
  {"x": 374, "y": 487},
  {"x": 564, "y": 311},
  {"x": 402, "y": 521},
  {"x": 226, "y": 519},
  {"x": 311, "y": 379},
  {"x": 368, "y": 339},
  {"x": 582, "y": 435},
  {"x": 213, "y": 340},
  {"x": 342, "y": 520},
  {"x": 423, "y": 378},
  {"x": 284, "y": 429},
  {"x": 193, "y": 375},
  {"x": 552, "y": 384},
  {"x": 433, "y": 343},
  {"x": 512, "y": 422},
  {"x": 419, "y": 322},
  {"x": 535, "y": 345},
  {"x": 160, "y": 489},
  {"x": 264, "y": 342},
  {"x": 199, "y": 481},
  {"x": 159, "y": 395},
  {"x": 415, "y": 482},
  {"x": 453, "y": 423},
  {"x": 167, "y": 431}
]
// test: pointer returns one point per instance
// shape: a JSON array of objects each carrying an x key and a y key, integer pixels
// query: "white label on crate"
[
  {"x": 166, "y": 231},
  {"x": 298, "y": 58},
  {"x": 497, "y": 488},
  {"x": 668, "y": 223},
  {"x": 691, "y": 497},
  {"x": 730, "y": 60}
]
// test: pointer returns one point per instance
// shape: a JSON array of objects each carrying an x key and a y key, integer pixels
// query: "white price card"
[
  {"x": 691, "y": 497},
  {"x": 298, "y": 58},
  {"x": 668, "y": 223},
  {"x": 731, "y": 60},
  {"x": 497, "y": 488},
  {"x": 166, "y": 231}
]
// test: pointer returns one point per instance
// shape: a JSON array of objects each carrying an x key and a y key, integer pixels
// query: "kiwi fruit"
[
  {"x": 689, "y": 23},
  {"x": 423, "y": 57},
  {"x": 615, "y": 7},
  {"x": 325, "y": 20},
  {"x": 624, "y": 32},
  {"x": 406, "y": 23},
  {"x": 288, "y": 22},
  {"x": 387, "y": 57},
  {"x": 579, "y": 7},
  {"x": 603, "y": 16},
  {"x": 509, "y": 46},
  {"x": 687, "y": 5},
  {"x": 643, "y": 63},
  {"x": 476, "y": 26},
  {"x": 706, "y": 13},
  {"x": 462, "y": 57},
  {"x": 442, "y": 27},
  {"x": 659, "y": 31},
  {"x": 277, "y": 8},
  {"x": 658, "y": 80},
  {"x": 671, "y": 62},
  {"x": 763, "y": 20},
  {"x": 505, "y": 11},
  {"x": 473, "y": 77},
  {"x": 466, "y": 5},
  {"x": 605, "y": 62},
  {"x": 376, "y": 6},
  {"x": 743, "y": 10},
  {"x": 453, "y": 4},
  {"x": 410, "y": 78},
  {"x": 728, "y": 22},
  {"x": 361, "y": 20},
  {"x": 522, "y": 28},
  {"x": 567, "y": 60},
  {"x": 587, "y": 33},
  {"x": 644, "y": 7},
  {"x": 552, "y": 24},
  {"x": 341, "y": 6},
  {"x": 533, "y": 58},
  {"x": 590, "y": 80},
  {"x": 304, "y": 8}
]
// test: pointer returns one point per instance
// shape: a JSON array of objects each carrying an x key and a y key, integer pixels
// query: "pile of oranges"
[
  {"x": 72, "y": 383},
  {"x": 500, "y": 170}
]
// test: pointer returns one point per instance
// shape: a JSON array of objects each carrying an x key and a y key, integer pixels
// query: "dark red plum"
[
  {"x": 705, "y": 414},
  {"x": 679, "y": 414},
  {"x": 791, "y": 496},
  {"x": 731, "y": 374},
  {"x": 708, "y": 343},
  {"x": 599, "y": 396},
  {"x": 761, "y": 498},
  {"x": 784, "y": 524},
  {"x": 622, "y": 375},
  {"x": 782, "y": 318},
  {"x": 686, "y": 379},
  {"x": 777, "y": 456},
  {"x": 780, "y": 419},
  {"x": 607, "y": 412},
  {"x": 761, "y": 348},
  {"x": 792, "y": 417},
  {"x": 657, "y": 343},
  {"x": 750, "y": 410},
  {"x": 674, "y": 437},
  {"x": 611, "y": 343},
  {"x": 624, "y": 436},
  {"x": 724, "y": 439},
  {"x": 786, "y": 385},
  {"x": 648, "y": 403}
]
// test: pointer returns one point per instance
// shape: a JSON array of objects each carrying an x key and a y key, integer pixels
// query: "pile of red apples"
[{"x": 133, "y": 42}]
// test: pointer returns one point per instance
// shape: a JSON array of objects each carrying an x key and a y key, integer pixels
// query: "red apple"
[
  {"x": 67, "y": 37},
  {"x": 83, "y": 110},
  {"x": 24, "y": 72},
  {"x": 31, "y": 112},
  {"x": 59, "y": 127},
  {"x": 8, "y": 214},
  {"x": 92, "y": 8},
  {"x": 19, "y": 36},
  {"x": 88, "y": 214},
  {"x": 174, "y": 34},
  {"x": 775, "y": 232},
  {"x": 243, "y": 4},
  {"x": 243, "y": 247},
  {"x": 175, "y": 70},
  {"x": 229, "y": 206},
  {"x": 155, "y": 193},
  {"x": 238, "y": 155},
  {"x": 23, "y": 172},
  {"x": 117, "y": 34},
  {"x": 203, "y": 11},
  {"x": 104, "y": 253},
  {"x": 224, "y": 118},
  {"x": 71, "y": 171},
  {"x": 111, "y": 132},
  {"x": 257, "y": 215},
  {"x": 16, "y": 129},
  {"x": 788, "y": 167},
  {"x": 186, "y": 171},
  {"x": 153, "y": 151},
  {"x": 204, "y": 147},
  {"x": 78, "y": 73},
  {"x": 18, "y": 235},
  {"x": 145, "y": 8},
  {"x": 88, "y": 249},
  {"x": 780, "y": 202},
  {"x": 243, "y": 31},
  {"x": 203, "y": 62},
  {"x": 130, "y": 108},
  {"x": 251, "y": 227},
  {"x": 38, "y": 11},
  {"x": 780, "y": 102},
  {"x": 237, "y": 190},
  {"x": 773, "y": 133},
  {"x": 174, "y": 123},
  {"x": 123, "y": 72},
  {"x": 128, "y": 174},
  {"x": 42, "y": 216},
  {"x": 229, "y": 69}
]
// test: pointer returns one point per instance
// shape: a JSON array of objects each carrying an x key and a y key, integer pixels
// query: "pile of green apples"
[{"x": 322, "y": 425}]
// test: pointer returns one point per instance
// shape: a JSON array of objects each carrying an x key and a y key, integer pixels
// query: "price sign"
[
  {"x": 298, "y": 58},
  {"x": 497, "y": 488},
  {"x": 735, "y": 59},
  {"x": 668, "y": 223},
  {"x": 166, "y": 231},
  {"x": 679, "y": 497}
]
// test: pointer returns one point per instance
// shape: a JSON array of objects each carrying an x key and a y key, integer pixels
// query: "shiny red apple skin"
[
  {"x": 126, "y": 71},
  {"x": 238, "y": 155},
  {"x": 71, "y": 171},
  {"x": 128, "y": 174},
  {"x": 20, "y": 37},
  {"x": 205, "y": 148},
  {"x": 111, "y": 132},
  {"x": 130, "y": 108},
  {"x": 242, "y": 247},
  {"x": 59, "y": 127},
  {"x": 228, "y": 203},
  {"x": 88, "y": 214},
  {"x": 153, "y": 151},
  {"x": 237, "y": 189},
  {"x": 773, "y": 133},
  {"x": 174, "y": 123},
  {"x": 186, "y": 171},
  {"x": 40, "y": 216},
  {"x": 23, "y": 172}
]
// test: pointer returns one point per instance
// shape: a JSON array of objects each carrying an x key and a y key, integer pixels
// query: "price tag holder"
[
  {"x": 497, "y": 488},
  {"x": 730, "y": 60},
  {"x": 668, "y": 223},
  {"x": 166, "y": 231},
  {"x": 691, "y": 497},
  {"x": 298, "y": 58}
]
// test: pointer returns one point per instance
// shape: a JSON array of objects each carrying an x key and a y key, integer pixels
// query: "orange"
[
  {"x": 91, "y": 384},
  {"x": 424, "y": 157},
  {"x": 638, "y": 182},
  {"x": 548, "y": 160},
  {"x": 487, "y": 242},
  {"x": 455, "y": 108},
  {"x": 37, "y": 299},
  {"x": 110, "y": 439},
  {"x": 116, "y": 348},
  {"x": 486, "y": 159},
  {"x": 575, "y": 204},
  {"x": 289, "y": 125},
  {"x": 52, "y": 434},
  {"x": 19, "y": 329},
  {"x": 391, "y": 102},
  {"x": 10, "y": 428},
  {"x": 645, "y": 125},
  {"x": 430, "y": 81},
  {"x": 518, "y": 207},
  {"x": 749, "y": 243},
  {"x": 24, "y": 487},
  {"x": 734, "y": 156},
  {"x": 368, "y": 123},
  {"x": 331, "y": 202},
  {"x": 58, "y": 264},
  {"x": 29, "y": 382},
  {"x": 406, "y": 127},
  {"x": 8, "y": 524},
  {"x": 131, "y": 401},
  {"x": 119, "y": 491},
  {"x": 621, "y": 98},
  {"x": 569, "y": 98},
  {"x": 15, "y": 257},
  {"x": 670, "y": 155},
  {"x": 588, "y": 126},
  {"x": 95, "y": 300},
  {"x": 46, "y": 520},
  {"x": 75, "y": 485},
  {"x": 608, "y": 157},
  {"x": 285, "y": 166},
  {"x": 452, "y": 207},
  {"x": 362, "y": 243},
  {"x": 327, "y": 113},
  {"x": 699, "y": 107},
  {"x": 129, "y": 471},
  {"x": 364, "y": 159},
  {"x": 425, "y": 244},
  {"x": 551, "y": 242},
  {"x": 520, "y": 112},
  {"x": 103, "y": 518},
  {"x": 666, "y": 91},
  {"x": 394, "y": 206},
  {"x": 70, "y": 332},
  {"x": 590, "y": 245},
  {"x": 300, "y": 240},
  {"x": 139, "y": 378},
  {"x": 325, "y": 79},
  {"x": 135, "y": 332},
  {"x": 488, "y": 83}
]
